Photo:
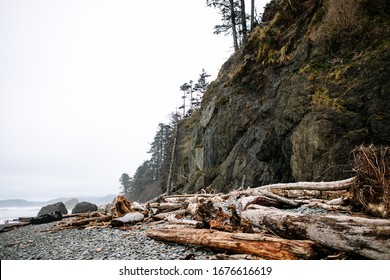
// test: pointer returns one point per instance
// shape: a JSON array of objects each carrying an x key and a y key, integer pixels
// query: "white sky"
[{"x": 84, "y": 84}]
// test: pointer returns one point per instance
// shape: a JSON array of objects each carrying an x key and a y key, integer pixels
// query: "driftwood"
[
  {"x": 173, "y": 220},
  {"x": 366, "y": 237},
  {"x": 314, "y": 186},
  {"x": 166, "y": 207},
  {"x": 129, "y": 218},
  {"x": 259, "y": 200},
  {"x": 163, "y": 216},
  {"x": 11, "y": 226},
  {"x": 235, "y": 257},
  {"x": 83, "y": 222},
  {"x": 122, "y": 206},
  {"x": 261, "y": 245},
  {"x": 235, "y": 223}
]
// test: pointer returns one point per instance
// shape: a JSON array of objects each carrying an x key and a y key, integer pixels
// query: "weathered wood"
[
  {"x": 285, "y": 201},
  {"x": 260, "y": 245},
  {"x": 83, "y": 222},
  {"x": 258, "y": 199},
  {"x": 315, "y": 186},
  {"x": 362, "y": 236},
  {"x": 122, "y": 206},
  {"x": 135, "y": 206},
  {"x": 235, "y": 257},
  {"x": 173, "y": 220},
  {"x": 11, "y": 226},
  {"x": 129, "y": 218},
  {"x": 166, "y": 207},
  {"x": 328, "y": 207},
  {"x": 163, "y": 216}
]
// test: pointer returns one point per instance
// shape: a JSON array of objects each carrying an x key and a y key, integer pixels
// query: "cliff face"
[{"x": 294, "y": 101}]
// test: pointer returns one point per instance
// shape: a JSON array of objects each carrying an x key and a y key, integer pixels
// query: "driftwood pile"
[
  {"x": 264, "y": 222},
  {"x": 257, "y": 223}
]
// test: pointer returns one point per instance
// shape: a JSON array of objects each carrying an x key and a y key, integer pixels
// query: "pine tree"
[
  {"x": 229, "y": 10},
  {"x": 126, "y": 182},
  {"x": 200, "y": 87}
]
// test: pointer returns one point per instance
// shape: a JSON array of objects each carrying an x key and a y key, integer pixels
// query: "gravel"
[{"x": 34, "y": 242}]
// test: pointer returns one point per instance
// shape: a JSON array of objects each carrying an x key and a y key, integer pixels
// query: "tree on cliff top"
[{"x": 234, "y": 19}]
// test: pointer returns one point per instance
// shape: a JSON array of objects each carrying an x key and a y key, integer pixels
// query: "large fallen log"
[
  {"x": 366, "y": 237},
  {"x": 260, "y": 245},
  {"x": 314, "y": 186}
]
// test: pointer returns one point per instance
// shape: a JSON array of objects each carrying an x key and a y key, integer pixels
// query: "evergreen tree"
[
  {"x": 234, "y": 19},
  {"x": 229, "y": 10},
  {"x": 159, "y": 150},
  {"x": 126, "y": 182},
  {"x": 200, "y": 87}
]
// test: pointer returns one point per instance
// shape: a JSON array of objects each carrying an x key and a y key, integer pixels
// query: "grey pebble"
[{"x": 34, "y": 242}]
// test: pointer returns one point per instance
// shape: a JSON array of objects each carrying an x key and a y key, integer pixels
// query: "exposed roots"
[{"x": 371, "y": 193}]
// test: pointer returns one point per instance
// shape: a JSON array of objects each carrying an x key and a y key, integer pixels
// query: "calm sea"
[{"x": 8, "y": 214}]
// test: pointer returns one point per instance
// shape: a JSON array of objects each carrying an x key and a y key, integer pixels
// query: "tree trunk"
[
  {"x": 261, "y": 245},
  {"x": 243, "y": 22},
  {"x": 252, "y": 14},
  {"x": 366, "y": 237},
  {"x": 169, "y": 180},
  {"x": 314, "y": 186},
  {"x": 234, "y": 30}
]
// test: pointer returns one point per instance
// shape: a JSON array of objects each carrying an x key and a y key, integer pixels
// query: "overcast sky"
[{"x": 84, "y": 84}]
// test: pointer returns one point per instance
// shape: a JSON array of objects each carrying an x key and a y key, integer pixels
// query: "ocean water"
[{"x": 10, "y": 213}]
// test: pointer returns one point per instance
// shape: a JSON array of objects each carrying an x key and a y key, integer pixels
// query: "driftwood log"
[
  {"x": 82, "y": 222},
  {"x": 366, "y": 237},
  {"x": 129, "y": 218},
  {"x": 260, "y": 245}
]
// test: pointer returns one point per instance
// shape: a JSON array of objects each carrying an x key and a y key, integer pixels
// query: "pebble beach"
[{"x": 36, "y": 242}]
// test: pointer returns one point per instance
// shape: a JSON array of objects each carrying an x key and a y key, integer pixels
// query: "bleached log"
[
  {"x": 163, "y": 216},
  {"x": 255, "y": 244},
  {"x": 362, "y": 236},
  {"x": 315, "y": 186},
  {"x": 173, "y": 220},
  {"x": 258, "y": 199},
  {"x": 337, "y": 201},
  {"x": 281, "y": 199},
  {"x": 190, "y": 195},
  {"x": 327, "y": 206},
  {"x": 135, "y": 206},
  {"x": 166, "y": 207},
  {"x": 129, "y": 218},
  {"x": 191, "y": 208}
]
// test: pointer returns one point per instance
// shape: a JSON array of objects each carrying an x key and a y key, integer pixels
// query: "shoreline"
[{"x": 37, "y": 242}]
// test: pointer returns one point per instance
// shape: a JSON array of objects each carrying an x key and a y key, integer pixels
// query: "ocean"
[{"x": 10, "y": 213}]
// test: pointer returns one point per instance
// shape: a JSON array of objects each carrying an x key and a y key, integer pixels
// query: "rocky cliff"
[{"x": 310, "y": 84}]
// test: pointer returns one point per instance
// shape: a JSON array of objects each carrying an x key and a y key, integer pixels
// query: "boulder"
[
  {"x": 84, "y": 207},
  {"x": 49, "y": 209},
  {"x": 71, "y": 203},
  {"x": 47, "y": 218}
]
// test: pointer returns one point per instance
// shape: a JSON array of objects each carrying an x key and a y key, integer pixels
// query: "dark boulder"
[
  {"x": 84, "y": 207},
  {"x": 49, "y": 209},
  {"x": 47, "y": 218}
]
